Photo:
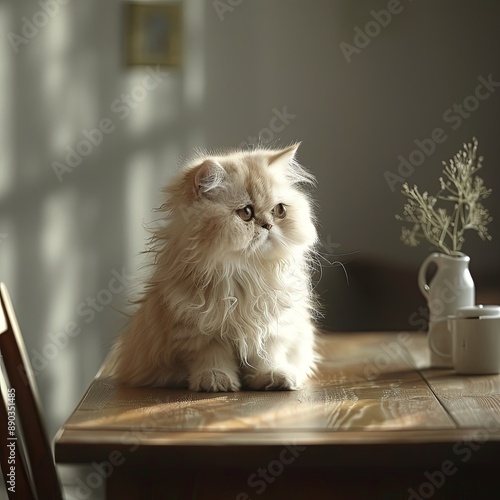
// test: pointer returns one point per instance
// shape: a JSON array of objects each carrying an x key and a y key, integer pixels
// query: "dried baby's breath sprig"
[{"x": 462, "y": 190}]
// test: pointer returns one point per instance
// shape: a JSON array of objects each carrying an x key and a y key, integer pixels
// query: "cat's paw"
[
  {"x": 276, "y": 380},
  {"x": 214, "y": 381}
]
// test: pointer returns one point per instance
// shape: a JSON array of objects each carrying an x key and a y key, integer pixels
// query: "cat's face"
[{"x": 248, "y": 204}]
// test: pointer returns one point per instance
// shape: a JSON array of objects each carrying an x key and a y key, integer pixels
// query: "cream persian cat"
[{"x": 229, "y": 303}]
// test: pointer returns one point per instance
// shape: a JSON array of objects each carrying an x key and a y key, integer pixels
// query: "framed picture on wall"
[{"x": 153, "y": 33}]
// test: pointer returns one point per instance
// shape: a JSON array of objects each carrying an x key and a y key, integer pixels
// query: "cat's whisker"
[{"x": 341, "y": 264}]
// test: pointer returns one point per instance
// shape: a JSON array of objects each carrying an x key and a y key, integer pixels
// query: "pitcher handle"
[
  {"x": 422, "y": 282},
  {"x": 432, "y": 345}
]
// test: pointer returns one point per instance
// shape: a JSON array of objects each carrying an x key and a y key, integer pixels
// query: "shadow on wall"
[{"x": 379, "y": 295}]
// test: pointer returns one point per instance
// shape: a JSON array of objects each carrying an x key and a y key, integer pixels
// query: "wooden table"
[{"x": 376, "y": 423}]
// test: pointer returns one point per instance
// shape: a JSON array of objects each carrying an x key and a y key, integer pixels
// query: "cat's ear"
[
  {"x": 208, "y": 176},
  {"x": 290, "y": 166},
  {"x": 285, "y": 156}
]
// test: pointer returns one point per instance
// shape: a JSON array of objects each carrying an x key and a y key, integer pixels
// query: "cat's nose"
[{"x": 267, "y": 226}]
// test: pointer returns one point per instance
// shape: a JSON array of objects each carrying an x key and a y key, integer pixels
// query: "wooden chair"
[{"x": 24, "y": 446}]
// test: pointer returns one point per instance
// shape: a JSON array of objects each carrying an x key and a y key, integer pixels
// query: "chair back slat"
[
  {"x": 28, "y": 406},
  {"x": 12, "y": 461}
]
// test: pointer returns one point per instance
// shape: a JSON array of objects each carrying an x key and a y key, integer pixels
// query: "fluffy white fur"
[{"x": 229, "y": 302}]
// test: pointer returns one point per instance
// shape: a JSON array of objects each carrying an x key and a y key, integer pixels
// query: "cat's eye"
[
  {"x": 279, "y": 211},
  {"x": 246, "y": 213}
]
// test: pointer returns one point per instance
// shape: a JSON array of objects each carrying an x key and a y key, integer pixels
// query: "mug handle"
[
  {"x": 422, "y": 282},
  {"x": 434, "y": 349}
]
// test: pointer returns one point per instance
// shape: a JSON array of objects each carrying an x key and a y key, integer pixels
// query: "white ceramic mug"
[{"x": 476, "y": 339}]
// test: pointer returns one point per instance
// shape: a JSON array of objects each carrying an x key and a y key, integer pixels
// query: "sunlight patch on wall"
[
  {"x": 141, "y": 191},
  {"x": 170, "y": 161},
  {"x": 194, "y": 82},
  {"x": 6, "y": 99},
  {"x": 61, "y": 261},
  {"x": 194, "y": 71},
  {"x": 55, "y": 83},
  {"x": 8, "y": 254},
  {"x": 69, "y": 75},
  {"x": 60, "y": 254},
  {"x": 150, "y": 100}
]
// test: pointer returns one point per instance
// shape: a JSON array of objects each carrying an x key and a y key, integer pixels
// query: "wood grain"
[
  {"x": 472, "y": 401},
  {"x": 365, "y": 382}
]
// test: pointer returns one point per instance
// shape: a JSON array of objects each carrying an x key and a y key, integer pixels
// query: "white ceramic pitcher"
[{"x": 451, "y": 287}]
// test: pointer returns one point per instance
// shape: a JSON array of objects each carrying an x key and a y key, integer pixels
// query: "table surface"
[{"x": 372, "y": 390}]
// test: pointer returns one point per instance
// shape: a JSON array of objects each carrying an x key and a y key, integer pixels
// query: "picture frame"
[{"x": 153, "y": 33}]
